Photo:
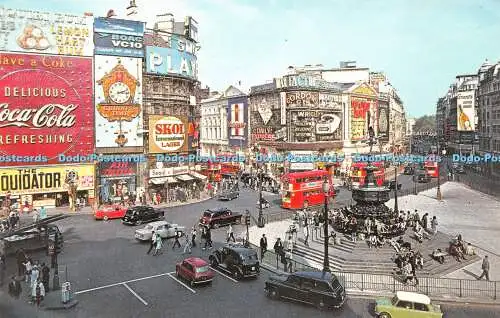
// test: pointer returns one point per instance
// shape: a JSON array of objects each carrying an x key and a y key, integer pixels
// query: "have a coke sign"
[
  {"x": 45, "y": 107},
  {"x": 168, "y": 134}
]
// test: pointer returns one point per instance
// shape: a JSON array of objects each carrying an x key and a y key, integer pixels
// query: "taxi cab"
[{"x": 407, "y": 305}]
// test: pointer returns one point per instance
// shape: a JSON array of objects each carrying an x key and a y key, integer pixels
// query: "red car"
[
  {"x": 110, "y": 212},
  {"x": 195, "y": 270}
]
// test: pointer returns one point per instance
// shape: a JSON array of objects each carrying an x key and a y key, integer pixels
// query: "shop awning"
[
  {"x": 163, "y": 180},
  {"x": 198, "y": 175},
  {"x": 184, "y": 177}
]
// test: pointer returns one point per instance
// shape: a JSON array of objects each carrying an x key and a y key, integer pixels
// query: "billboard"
[
  {"x": 44, "y": 179},
  {"x": 315, "y": 125},
  {"x": 194, "y": 134},
  {"x": 118, "y": 100},
  {"x": 466, "y": 111},
  {"x": 383, "y": 122},
  {"x": 359, "y": 110},
  {"x": 118, "y": 37},
  {"x": 38, "y": 32},
  {"x": 170, "y": 61},
  {"x": 45, "y": 108},
  {"x": 302, "y": 99},
  {"x": 168, "y": 134},
  {"x": 237, "y": 119}
]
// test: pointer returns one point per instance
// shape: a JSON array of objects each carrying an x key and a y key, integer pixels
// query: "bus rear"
[{"x": 431, "y": 169}]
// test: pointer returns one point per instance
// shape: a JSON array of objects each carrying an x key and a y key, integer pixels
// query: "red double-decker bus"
[
  {"x": 431, "y": 169},
  {"x": 358, "y": 173},
  {"x": 304, "y": 189}
]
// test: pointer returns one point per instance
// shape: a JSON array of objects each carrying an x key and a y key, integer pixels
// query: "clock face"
[{"x": 119, "y": 93}]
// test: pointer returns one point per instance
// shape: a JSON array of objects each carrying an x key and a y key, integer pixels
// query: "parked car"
[
  {"x": 195, "y": 270},
  {"x": 142, "y": 214},
  {"x": 391, "y": 184},
  {"x": 407, "y": 305},
  {"x": 239, "y": 261},
  {"x": 322, "y": 290},
  {"x": 215, "y": 218},
  {"x": 423, "y": 178},
  {"x": 458, "y": 169},
  {"x": 229, "y": 195},
  {"x": 107, "y": 212},
  {"x": 165, "y": 229},
  {"x": 409, "y": 170}
]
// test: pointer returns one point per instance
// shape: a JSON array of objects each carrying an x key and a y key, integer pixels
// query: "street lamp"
[
  {"x": 326, "y": 261},
  {"x": 439, "y": 195},
  {"x": 396, "y": 208},
  {"x": 260, "y": 220}
]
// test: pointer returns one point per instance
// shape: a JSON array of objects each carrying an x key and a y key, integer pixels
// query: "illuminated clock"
[{"x": 119, "y": 93}]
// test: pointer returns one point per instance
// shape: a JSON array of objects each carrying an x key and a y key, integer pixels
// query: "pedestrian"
[
  {"x": 209, "y": 239},
  {"x": 15, "y": 288},
  {"x": 38, "y": 292},
  {"x": 27, "y": 270},
  {"x": 193, "y": 237},
  {"x": 486, "y": 269},
  {"x": 425, "y": 220},
  {"x": 263, "y": 246},
  {"x": 187, "y": 245},
  {"x": 177, "y": 236},
  {"x": 230, "y": 234},
  {"x": 35, "y": 274},
  {"x": 159, "y": 244},
  {"x": 306, "y": 235},
  {"x": 153, "y": 242},
  {"x": 278, "y": 248},
  {"x": 45, "y": 276},
  {"x": 434, "y": 224},
  {"x": 288, "y": 260},
  {"x": 43, "y": 213},
  {"x": 316, "y": 227},
  {"x": 3, "y": 267}
]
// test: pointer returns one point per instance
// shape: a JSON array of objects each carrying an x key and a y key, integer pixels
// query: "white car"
[{"x": 165, "y": 229}]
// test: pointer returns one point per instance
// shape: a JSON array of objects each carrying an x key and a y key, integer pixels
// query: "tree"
[{"x": 425, "y": 123}]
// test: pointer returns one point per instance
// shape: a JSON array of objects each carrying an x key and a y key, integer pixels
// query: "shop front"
[
  {"x": 171, "y": 184},
  {"x": 117, "y": 182},
  {"x": 47, "y": 186}
]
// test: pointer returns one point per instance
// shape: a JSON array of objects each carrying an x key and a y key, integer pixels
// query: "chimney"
[{"x": 165, "y": 23}]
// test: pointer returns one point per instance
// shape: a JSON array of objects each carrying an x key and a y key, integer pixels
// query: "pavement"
[{"x": 112, "y": 276}]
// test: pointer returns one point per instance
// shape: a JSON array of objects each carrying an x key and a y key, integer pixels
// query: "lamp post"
[
  {"x": 326, "y": 261},
  {"x": 260, "y": 220},
  {"x": 439, "y": 195},
  {"x": 396, "y": 208}
]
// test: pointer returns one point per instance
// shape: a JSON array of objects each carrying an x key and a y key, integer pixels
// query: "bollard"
[{"x": 66, "y": 292}]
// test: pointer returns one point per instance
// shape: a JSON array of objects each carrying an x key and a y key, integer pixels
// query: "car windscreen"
[
  {"x": 207, "y": 214},
  {"x": 129, "y": 212},
  {"x": 249, "y": 258},
  {"x": 148, "y": 227},
  {"x": 202, "y": 269}
]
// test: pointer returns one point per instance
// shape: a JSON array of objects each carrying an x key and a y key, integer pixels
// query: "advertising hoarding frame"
[
  {"x": 119, "y": 37},
  {"x": 38, "y": 32},
  {"x": 172, "y": 62},
  {"x": 70, "y": 77},
  {"x": 242, "y": 112},
  {"x": 466, "y": 102},
  {"x": 154, "y": 148}
]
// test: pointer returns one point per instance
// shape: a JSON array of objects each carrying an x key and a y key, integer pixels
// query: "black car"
[
  {"x": 229, "y": 195},
  {"x": 409, "y": 170},
  {"x": 322, "y": 290},
  {"x": 215, "y": 218},
  {"x": 142, "y": 214},
  {"x": 423, "y": 178},
  {"x": 239, "y": 261},
  {"x": 392, "y": 184}
]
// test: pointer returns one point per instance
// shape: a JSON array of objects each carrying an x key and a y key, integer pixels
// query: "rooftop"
[{"x": 413, "y": 297}]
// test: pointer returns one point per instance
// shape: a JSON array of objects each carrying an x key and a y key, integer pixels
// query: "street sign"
[{"x": 52, "y": 248}]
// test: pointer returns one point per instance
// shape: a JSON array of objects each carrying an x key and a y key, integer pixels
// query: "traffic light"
[
  {"x": 58, "y": 244},
  {"x": 247, "y": 219}
]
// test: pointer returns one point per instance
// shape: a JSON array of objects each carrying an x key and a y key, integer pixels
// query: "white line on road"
[
  {"x": 135, "y": 294},
  {"x": 190, "y": 289},
  {"x": 228, "y": 277},
  {"x": 120, "y": 283}
]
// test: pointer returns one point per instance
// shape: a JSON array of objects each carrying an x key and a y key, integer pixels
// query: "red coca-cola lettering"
[
  {"x": 169, "y": 129},
  {"x": 43, "y": 117}
]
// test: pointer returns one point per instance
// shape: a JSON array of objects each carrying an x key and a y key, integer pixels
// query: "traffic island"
[{"x": 53, "y": 301}]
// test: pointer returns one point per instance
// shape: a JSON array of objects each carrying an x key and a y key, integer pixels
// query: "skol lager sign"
[{"x": 168, "y": 134}]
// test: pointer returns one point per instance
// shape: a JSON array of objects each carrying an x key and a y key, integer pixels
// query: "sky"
[{"x": 420, "y": 45}]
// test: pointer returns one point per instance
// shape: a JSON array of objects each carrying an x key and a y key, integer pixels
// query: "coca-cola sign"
[{"x": 45, "y": 108}]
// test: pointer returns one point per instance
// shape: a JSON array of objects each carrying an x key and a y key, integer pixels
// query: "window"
[
  {"x": 307, "y": 284},
  {"x": 293, "y": 281},
  {"x": 322, "y": 287},
  {"x": 404, "y": 304},
  {"x": 421, "y": 307},
  {"x": 202, "y": 269}
]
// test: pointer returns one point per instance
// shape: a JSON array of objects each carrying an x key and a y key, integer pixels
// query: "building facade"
[
  {"x": 224, "y": 122},
  {"x": 49, "y": 79}
]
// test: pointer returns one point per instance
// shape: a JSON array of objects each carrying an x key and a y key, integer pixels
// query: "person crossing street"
[
  {"x": 486, "y": 269},
  {"x": 176, "y": 242},
  {"x": 158, "y": 245},
  {"x": 187, "y": 245},
  {"x": 230, "y": 235},
  {"x": 153, "y": 243}
]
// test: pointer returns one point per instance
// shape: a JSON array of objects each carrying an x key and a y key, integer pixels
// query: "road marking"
[
  {"x": 174, "y": 278},
  {"x": 228, "y": 277},
  {"x": 121, "y": 283},
  {"x": 135, "y": 294}
]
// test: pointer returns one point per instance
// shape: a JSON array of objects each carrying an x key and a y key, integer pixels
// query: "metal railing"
[
  {"x": 384, "y": 283},
  {"x": 480, "y": 183}
]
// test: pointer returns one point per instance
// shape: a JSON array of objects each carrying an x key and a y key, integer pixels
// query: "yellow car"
[{"x": 407, "y": 305}]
